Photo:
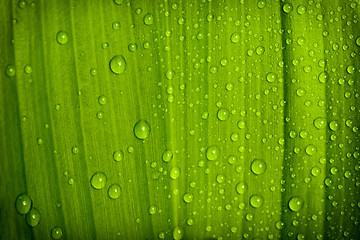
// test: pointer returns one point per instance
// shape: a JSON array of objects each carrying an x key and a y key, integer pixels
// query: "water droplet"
[
  {"x": 315, "y": 171},
  {"x": 118, "y": 64},
  {"x": 132, "y": 47},
  {"x": 232, "y": 159},
  {"x": 287, "y": 8},
  {"x": 188, "y": 197},
  {"x": 75, "y": 150},
  {"x": 114, "y": 190},
  {"x": 27, "y": 69},
  {"x": 178, "y": 233},
  {"x": 311, "y": 149},
  {"x": 320, "y": 123},
  {"x": 116, "y": 25},
  {"x": 212, "y": 153},
  {"x": 169, "y": 74},
  {"x": 33, "y": 217},
  {"x": 301, "y": 9},
  {"x": 23, "y": 204},
  {"x": 334, "y": 125},
  {"x": 323, "y": 76},
  {"x": 271, "y": 77},
  {"x": 142, "y": 129},
  {"x": 220, "y": 178},
  {"x": 358, "y": 41},
  {"x": 174, "y": 173},
  {"x": 241, "y": 124},
  {"x": 152, "y": 209},
  {"x": 102, "y": 100},
  {"x": 167, "y": 155},
  {"x": 10, "y": 70},
  {"x": 62, "y": 37},
  {"x": 56, "y": 233},
  {"x": 261, "y": 4},
  {"x": 118, "y": 155},
  {"x": 223, "y": 114},
  {"x": 280, "y": 225},
  {"x": 22, "y": 4},
  {"x": 241, "y": 188},
  {"x": 350, "y": 69},
  {"x": 256, "y": 200},
  {"x": 98, "y": 180},
  {"x": 148, "y": 19},
  {"x": 258, "y": 166},
  {"x": 235, "y": 38},
  {"x": 296, "y": 204}
]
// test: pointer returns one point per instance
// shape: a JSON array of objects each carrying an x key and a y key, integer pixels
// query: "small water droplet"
[
  {"x": 178, "y": 233},
  {"x": 188, "y": 197},
  {"x": 27, "y": 69},
  {"x": 118, "y": 2},
  {"x": 98, "y": 180},
  {"x": 142, "y": 129},
  {"x": 235, "y": 38}
]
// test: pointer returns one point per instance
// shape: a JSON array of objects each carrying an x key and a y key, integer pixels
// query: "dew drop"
[
  {"x": 223, "y": 114},
  {"x": 98, "y": 180},
  {"x": 235, "y": 38},
  {"x": 118, "y": 155},
  {"x": 271, "y": 77},
  {"x": 287, "y": 8},
  {"x": 152, "y": 209},
  {"x": 188, "y": 197},
  {"x": 320, "y": 123},
  {"x": 323, "y": 76},
  {"x": 23, "y": 204},
  {"x": 142, "y": 129},
  {"x": 212, "y": 152},
  {"x": 178, "y": 233},
  {"x": 102, "y": 100},
  {"x": 148, "y": 19},
  {"x": 334, "y": 125},
  {"x": 310, "y": 149},
  {"x": 10, "y": 70},
  {"x": 167, "y": 155},
  {"x": 296, "y": 204},
  {"x": 33, "y": 217},
  {"x": 114, "y": 191},
  {"x": 62, "y": 37},
  {"x": 56, "y": 233},
  {"x": 174, "y": 173},
  {"x": 118, "y": 64},
  {"x": 241, "y": 188},
  {"x": 256, "y": 200},
  {"x": 258, "y": 166},
  {"x": 118, "y": 2}
]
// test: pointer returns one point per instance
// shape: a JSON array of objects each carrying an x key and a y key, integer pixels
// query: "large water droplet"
[
  {"x": 23, "y": 203},
  {"x": 320, "y": 123},
  {"x": 148, "y": 19},
  {"x": 142, "y": 129},
  {"x": 178, "y": 233},
  {"x": 167, "y": 155},
  {"x": 223, "y": 114},
  {"x": 235, "y": 37},
  {"x": 118, "y": 64},
  {"x": 62, "y": 37},
  {"x": 212, "y": 153},
  {"x": 10, "y": 70},
  {"x": 98, "y": 180},
  {"x": 256, "y": 200},
  {"x": 311, "y": 149},
  {"x": 174, "y": 173},
  {"x": 33, "y": 217},
  {"x": 118, "y": 155},
  {"x": 241, "y": 188},
  {"x": 258, "y": 166},
  {"x": 188, "y": 197},
  {"x": 296, "y": 204},
  {"x": 56, "y": 233},
  {"x": 114, "y": 191},
  {"x": 334, "y": 125},
  {"x": 152, "y": 210}
]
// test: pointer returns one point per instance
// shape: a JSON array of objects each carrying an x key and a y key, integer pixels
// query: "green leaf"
[{"x": 179, "y": 119}]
